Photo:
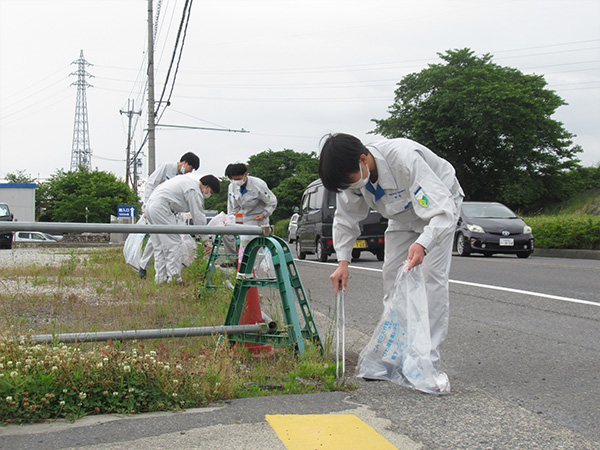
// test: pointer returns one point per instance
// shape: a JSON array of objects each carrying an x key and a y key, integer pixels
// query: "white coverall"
[
  {"x": 419, "y": 193},
  {"x": 163, "y": 173},
  {"x": 256, "y": 198},
  {"x": 177, "y": 195}
]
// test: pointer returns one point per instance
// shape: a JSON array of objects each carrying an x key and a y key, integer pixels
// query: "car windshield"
[
  {"x": 3, "y": 210},
  {"x": 488, "y": 211}
]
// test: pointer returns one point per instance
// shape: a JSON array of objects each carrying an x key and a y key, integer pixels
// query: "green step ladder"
[
  {"x": 216, "y": 254},
  {"x": 288, "y": 282}
]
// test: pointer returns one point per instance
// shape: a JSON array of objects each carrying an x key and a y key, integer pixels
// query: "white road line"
[
  {"x": 487, "y": 286},
  {"x": 519, "y": 291}
]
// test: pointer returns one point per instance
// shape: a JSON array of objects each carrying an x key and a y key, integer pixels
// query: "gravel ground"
[{"x": 25, "y": 256}]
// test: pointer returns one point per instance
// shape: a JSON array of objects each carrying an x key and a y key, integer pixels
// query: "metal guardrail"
[
  {"x": 65, "y": 227},
  {"x": 158, "y": 333}
]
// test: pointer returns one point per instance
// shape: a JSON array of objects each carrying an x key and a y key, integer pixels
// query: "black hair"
[
  {"x": 212, "y": 182},
  {"x": 340, "y": 156},
  {"x": 191, "y": 159},
  {"x": 235, "y": 169}
]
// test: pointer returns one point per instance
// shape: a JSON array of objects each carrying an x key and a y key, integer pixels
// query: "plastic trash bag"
[
  {"x": 188, "y": 250},
  {"x": 399, "y": 350},
  {"x": 132, "y": 249},
  {"x": 222, "y": 219}
]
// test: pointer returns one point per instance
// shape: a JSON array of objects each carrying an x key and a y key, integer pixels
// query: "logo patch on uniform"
[{"x": 422, "y": 198}]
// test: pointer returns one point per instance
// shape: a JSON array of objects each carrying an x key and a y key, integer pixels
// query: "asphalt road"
[
  {"x": 531, "y": 346},
  {"x": 522, "y": 356}
]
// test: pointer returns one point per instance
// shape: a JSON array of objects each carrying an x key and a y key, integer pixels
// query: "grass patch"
[{"x": 94, "y": 290}]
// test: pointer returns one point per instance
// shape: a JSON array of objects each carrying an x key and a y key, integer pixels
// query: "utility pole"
[
  {"x": 81, "y": 154},
  {"x": 151, "y": 113},
  {"x": 129, "y": 162}
]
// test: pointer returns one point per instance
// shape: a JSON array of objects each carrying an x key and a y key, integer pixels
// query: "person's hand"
[
  {"x": 416, "y": 253},
  {"x": 208, "y": 247},
  {"x": 339, "y": 278},
  {"x": 260, "y": 217}
]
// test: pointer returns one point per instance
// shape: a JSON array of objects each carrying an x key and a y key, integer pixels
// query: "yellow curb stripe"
[{"x": 326, "y": 432}]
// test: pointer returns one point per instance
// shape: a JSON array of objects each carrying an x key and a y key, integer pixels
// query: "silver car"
[
  {"x": 34, "y": 236},
  {"x": 293, "y": 228}
]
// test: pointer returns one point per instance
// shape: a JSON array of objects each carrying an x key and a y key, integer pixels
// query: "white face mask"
[
  {"x": 362, "y": 182},
  {"x": 182, "y": 170},
  {"x": 207, "y": 195},
  {"x": 238, "y": 183}
]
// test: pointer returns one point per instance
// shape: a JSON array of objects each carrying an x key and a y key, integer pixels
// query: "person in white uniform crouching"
[
  {"x": 177, "y": 195},
  {"x": 187, "y": 163},
  {"x": 420, "y": 195}
]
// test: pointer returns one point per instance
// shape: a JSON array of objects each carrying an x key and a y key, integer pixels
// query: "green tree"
[
  {"x": 289, "y": 193},
  {"x": 19, "y": 177},
  {"x": 274, "y": 167},
  {"x": 492, "y": 123},
  {"x": 70, "y": 196},
  {"x": 218, "y": 202}
]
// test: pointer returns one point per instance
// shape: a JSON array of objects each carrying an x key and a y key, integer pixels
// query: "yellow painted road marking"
[{"x": 326, "y": 432}]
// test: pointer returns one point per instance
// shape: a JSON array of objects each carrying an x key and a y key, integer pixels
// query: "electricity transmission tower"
[{"x": 81, "y": 154}]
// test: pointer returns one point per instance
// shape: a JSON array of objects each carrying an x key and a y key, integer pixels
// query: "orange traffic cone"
[{"x": 250, "y": 316}]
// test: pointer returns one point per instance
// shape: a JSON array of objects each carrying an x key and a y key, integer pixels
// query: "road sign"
[{"x": 125, "y": 211}]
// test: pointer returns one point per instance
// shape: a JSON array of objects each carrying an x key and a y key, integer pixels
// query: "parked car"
[
  {"x": 491, "y": 227},
  {"x": 34, "y": 236},
  {"x": 293, "y": 227},
  {"x": 6, "y": 237},
  {"x": 314, "y": 233}
]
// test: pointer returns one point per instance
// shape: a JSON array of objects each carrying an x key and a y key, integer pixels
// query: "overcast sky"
[{"x": 286, "y": 71}]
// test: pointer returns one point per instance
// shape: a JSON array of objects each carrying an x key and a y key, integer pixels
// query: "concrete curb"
[{"x": 566, "y": 253}]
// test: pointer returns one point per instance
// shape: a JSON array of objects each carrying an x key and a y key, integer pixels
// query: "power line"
[{"x": 185, "y": 18}]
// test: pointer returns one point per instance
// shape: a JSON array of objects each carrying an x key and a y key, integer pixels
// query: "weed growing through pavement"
[{"x": 93, "y": 290}]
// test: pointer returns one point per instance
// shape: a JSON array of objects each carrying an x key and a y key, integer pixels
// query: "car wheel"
[
  {"x": 321, "y": 255},
  {"x": 523, "y": 255},
  {"x": 462, "y": 245},
  {"x": 299, "y": 253},
  {"x": 380, "y": 254}
]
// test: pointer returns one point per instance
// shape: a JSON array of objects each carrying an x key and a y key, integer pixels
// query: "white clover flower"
[
  {"x": 14, "y": 374},
  {"x": 105, "y": 359},
  {"x": 115, "y": 394},
  {"x": 175, "y": 382},
  {"x": 99, "y": 365},
  {"x": 9, "y": 399},
  {"x": 174, "y": 394},
  {"x": 131, "y": 390},
  {"x": 82, "y": 395},
  {"x": 153, "y": 353},
  {"x": 1, "y": 375},
  {"x": 178, "y": 367},
  {"x": 1, "y": 366},
  {"x": 62, "y": 403},
  {"x": 9, "y": 364},
  {"x": 54, "y": 369},
  {"x": 126, "y": 369}
]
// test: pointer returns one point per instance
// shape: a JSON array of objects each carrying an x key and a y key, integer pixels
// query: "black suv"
[
  {"x": 7, "y": 236},
  {"x": 314, "y": 235}
]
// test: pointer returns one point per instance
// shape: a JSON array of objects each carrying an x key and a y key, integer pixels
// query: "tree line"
[{"x": 493, "y": 123}]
